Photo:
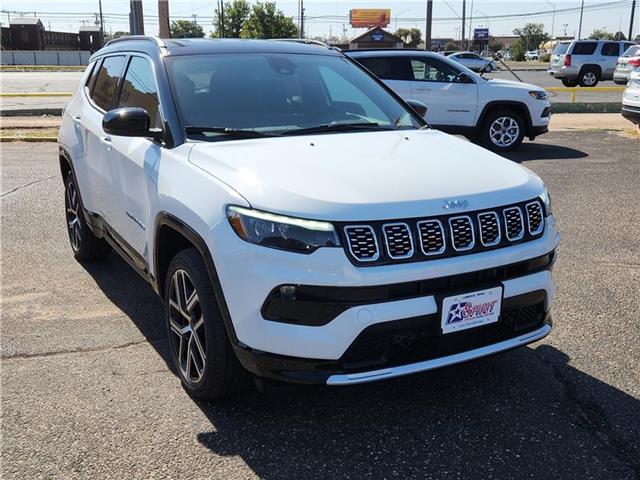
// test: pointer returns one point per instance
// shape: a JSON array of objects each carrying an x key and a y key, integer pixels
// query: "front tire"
[
  {"x": 502, "y": 130},
  {"x": 200, "y": 349},
  {"x": 85, "y": 245}
]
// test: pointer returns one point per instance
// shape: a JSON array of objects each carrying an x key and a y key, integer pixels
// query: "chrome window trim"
[
  {"x": 504, "y": 214},
  {"x": 444, "y": 238},
  {"x": 375, "y": 241},
  {"x": 386, "y": 240},
  {"x": 498, "y": 238},
  {"x": 473, "y": 234},
  {"x": 541, "y": 226}
]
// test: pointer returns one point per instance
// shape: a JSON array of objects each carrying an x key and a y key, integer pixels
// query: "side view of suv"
[
  {"x": 496, "y": 113},
  {"x": 299, "y": 221},
  {"x": 586, "y": 62}
]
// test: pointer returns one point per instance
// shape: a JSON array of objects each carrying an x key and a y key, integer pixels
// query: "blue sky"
[{"x": 332, "y": 16}]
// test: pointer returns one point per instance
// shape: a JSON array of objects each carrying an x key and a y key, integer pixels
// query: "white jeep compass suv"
[{"x": 300, "y": 221}]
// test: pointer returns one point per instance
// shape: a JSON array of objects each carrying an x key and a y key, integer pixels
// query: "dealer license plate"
[{"x": 470, "y": 310}]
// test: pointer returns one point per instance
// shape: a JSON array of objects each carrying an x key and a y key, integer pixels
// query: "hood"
[
  {"x": 512, "y": 83},
  {"x": 365, "y": 176}
]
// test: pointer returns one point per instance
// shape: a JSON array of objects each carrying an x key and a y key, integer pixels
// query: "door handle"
[
  {"x": 423, "y": 89},
  {"x": 77, "y": 118},
  {"x": 106, "y": 141}
]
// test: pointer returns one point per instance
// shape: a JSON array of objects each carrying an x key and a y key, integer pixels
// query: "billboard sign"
[
  {"x": 481, "y": 34},
  {"x": 370, "y": 17}
]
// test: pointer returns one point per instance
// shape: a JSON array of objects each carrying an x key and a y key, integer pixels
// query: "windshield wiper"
[
  {"x": 337, "y": 127},
  {"x": 228, "y": 132}
]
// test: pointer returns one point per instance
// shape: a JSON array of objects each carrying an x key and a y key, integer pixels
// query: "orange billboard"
[{"x": 370, "y": 17}]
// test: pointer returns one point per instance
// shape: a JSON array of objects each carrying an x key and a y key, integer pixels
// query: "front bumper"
[{"x": 631, "y": 113}]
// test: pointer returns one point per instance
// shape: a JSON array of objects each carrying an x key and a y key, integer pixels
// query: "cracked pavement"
[{"x": 87, "y": 391}]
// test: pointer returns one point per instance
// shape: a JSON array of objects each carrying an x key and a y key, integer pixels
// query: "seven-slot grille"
[
  {"x": 535, "y": 220},
  {"x": 419, "y": 239},
  {"x": 398, "y": 240},
  {"x": 514, "y": 223},
  {"x": 362, "y": 242},
  {"x": 489, "y": 228},
  {"x": 431, "y": 237}
]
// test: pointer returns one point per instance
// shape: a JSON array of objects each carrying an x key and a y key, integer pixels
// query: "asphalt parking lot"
[{"x": 87, "y": 391}]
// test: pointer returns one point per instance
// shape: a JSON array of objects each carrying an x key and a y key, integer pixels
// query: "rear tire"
[
  {"x": 200, "y": 349},
  {"x": 85, "y": 245},
  {"x": 570, "y": 82},
  {"x": 589, "y": 77},
  {"x": 502, "y": 130}
]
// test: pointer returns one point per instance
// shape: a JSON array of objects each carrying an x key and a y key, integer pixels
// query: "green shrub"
[{"x": 545, "y": 57}]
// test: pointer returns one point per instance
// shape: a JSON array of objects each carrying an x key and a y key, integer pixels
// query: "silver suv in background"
[
  {"x": 629, "y": 61},
  {"x": 586, "y": 62}
]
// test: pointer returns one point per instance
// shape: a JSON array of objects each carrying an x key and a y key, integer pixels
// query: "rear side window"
[
  {"x": 139, "y": 89},
  {"x": 611, "y": 49},
  {"x": 584, "y": 48},
  {"x": 106, "y": 83},
  {"x": 633, "y": 51},
  {"x": 91, "y": 78},
  {"x": 388, "y": 68},
  {"x": 561, "y": 48}
]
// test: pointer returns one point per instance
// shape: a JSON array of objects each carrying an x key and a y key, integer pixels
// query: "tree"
[
  {"x": 451, "y": 45},
  {"x": 598, "y": 34},
  {"x": 495, "y": 46},
  {"x": 619, "y": 36},
  {"x": 236, "y": 14},
  {"x": 531, "y": 35},
  {"x": 517, "y": 50},
  {"x": 411, "y": 37},
  {"x": 185, "y": 29},
  {"x": 266, "y": 22}
]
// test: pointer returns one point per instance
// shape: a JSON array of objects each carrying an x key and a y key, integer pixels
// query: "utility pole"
[
  {"x": 222, "y": 32},
  {"x": 633, "y": 11},
  {"x": 553, "y": 19},
  {"x": 427, "y": 31},
  {"x": 163, "y": 19},
  {"x": 136, "y": 17},
  {"x": 101, "y": 18},
  {"x": 464, "y": 26},
  {"x": 471, "y": 38},
  {"x": 580, "y": 24},
  {"x": 301, "y": 18}
]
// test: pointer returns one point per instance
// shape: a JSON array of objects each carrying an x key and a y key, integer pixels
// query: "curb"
[
  {"x": 582, "y": 107},
  {"x": 31, "y": 112},
  {"x": 28, "y": 139}
]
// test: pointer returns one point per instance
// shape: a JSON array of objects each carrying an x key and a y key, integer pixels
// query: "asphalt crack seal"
[
  {"x": 14, "y": 190},
  {"x": 76, "y": 350},
  {"x": 595, "y": 419}
]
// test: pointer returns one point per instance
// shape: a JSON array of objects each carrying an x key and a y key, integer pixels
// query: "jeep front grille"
[{"x": 412, "y": 240}]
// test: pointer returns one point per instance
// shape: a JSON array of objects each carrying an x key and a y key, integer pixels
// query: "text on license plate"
[{"x": 470, "y": 310}]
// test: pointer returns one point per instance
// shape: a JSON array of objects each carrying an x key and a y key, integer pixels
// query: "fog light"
[{"x": 288, "y": 292}]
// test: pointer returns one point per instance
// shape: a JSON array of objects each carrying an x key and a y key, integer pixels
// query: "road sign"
[{"x": 481, "y": 34}]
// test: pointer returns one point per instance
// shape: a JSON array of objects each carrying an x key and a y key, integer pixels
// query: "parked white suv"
[
  {"x": 300, "y": 222},
  {"x": 496, "y": 113},
  {"x": 631, "y": 98}
]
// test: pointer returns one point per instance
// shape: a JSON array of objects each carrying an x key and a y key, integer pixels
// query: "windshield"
[
  {"x": 561, "y": 48},
  {"x": 278, "y": 94},
  {"x": 632, "y": 51}
]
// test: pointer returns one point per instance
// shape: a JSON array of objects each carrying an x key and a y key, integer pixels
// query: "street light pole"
[
  {"x": 633, "y": 11},
  {"x": 553, "y": 19},
  {"x": 427, "y": 33},
  {"x": 580, "y": 25},
  {"x": 464, "y": 8}
]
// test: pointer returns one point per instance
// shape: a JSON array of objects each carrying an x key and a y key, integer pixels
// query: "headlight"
[
  {"x": 539, "y": 95},
  {"x": 546, "y": 199},
  {"x": 278, "y": 231}
]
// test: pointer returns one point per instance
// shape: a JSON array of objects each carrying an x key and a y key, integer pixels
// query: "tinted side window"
[
  {"x": 611, "y": 49},
  {"x": 388, "y": 68},
  {"x": 139, "y": 89},
  {"x": 627, "y": 46},
  {"x": 106, "y": 84},
  {"x": 584, "y": 48},
  {"x": 91, "y": 78}
]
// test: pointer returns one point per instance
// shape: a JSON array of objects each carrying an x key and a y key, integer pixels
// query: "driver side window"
[{"x": 434, "y": 70}]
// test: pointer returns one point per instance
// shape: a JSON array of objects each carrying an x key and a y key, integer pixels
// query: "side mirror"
[
  {"x": 419, "y": 107},
  {"x": 464, "y": 78},
  {"x": 129, "y": 122}
]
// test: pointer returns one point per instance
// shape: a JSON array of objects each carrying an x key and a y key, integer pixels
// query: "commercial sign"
[
  {"x": 377, "y": 36},
  {"x": 481, "y": 34},
  {"x": 370, "y": 17}
]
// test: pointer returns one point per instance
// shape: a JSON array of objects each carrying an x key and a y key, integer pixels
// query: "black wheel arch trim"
[
  {"x": 504, "y": 104},
  {"x": 168, "y": 220}
]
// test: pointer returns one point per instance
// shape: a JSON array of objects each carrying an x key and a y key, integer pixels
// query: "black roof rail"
[
  {"x": 306, "y": 41},
  {"x": 148, "y": 38}
]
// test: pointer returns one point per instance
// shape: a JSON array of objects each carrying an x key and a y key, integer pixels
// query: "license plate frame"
[{"x": 469, "y": 310}]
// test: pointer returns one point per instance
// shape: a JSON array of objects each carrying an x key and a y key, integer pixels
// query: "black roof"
[{"x": 196, "y": 46}]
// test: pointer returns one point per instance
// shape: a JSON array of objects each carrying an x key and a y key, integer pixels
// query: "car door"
[
  {"x": 395, "y": 72},
  {"x": 437, "y": 83},
  {"x": 608, "y": 58},
  {"x": 136, "y": 159},
  {"x": 100, "y": 172}
]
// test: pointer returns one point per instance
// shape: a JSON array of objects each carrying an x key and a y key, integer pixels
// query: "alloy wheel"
[
  {"x": 72, "y": 204},
  {"x": 504, "y": 131},
  {"x": 589, "y": 79},
  {"x": 187, "y": 327}
]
